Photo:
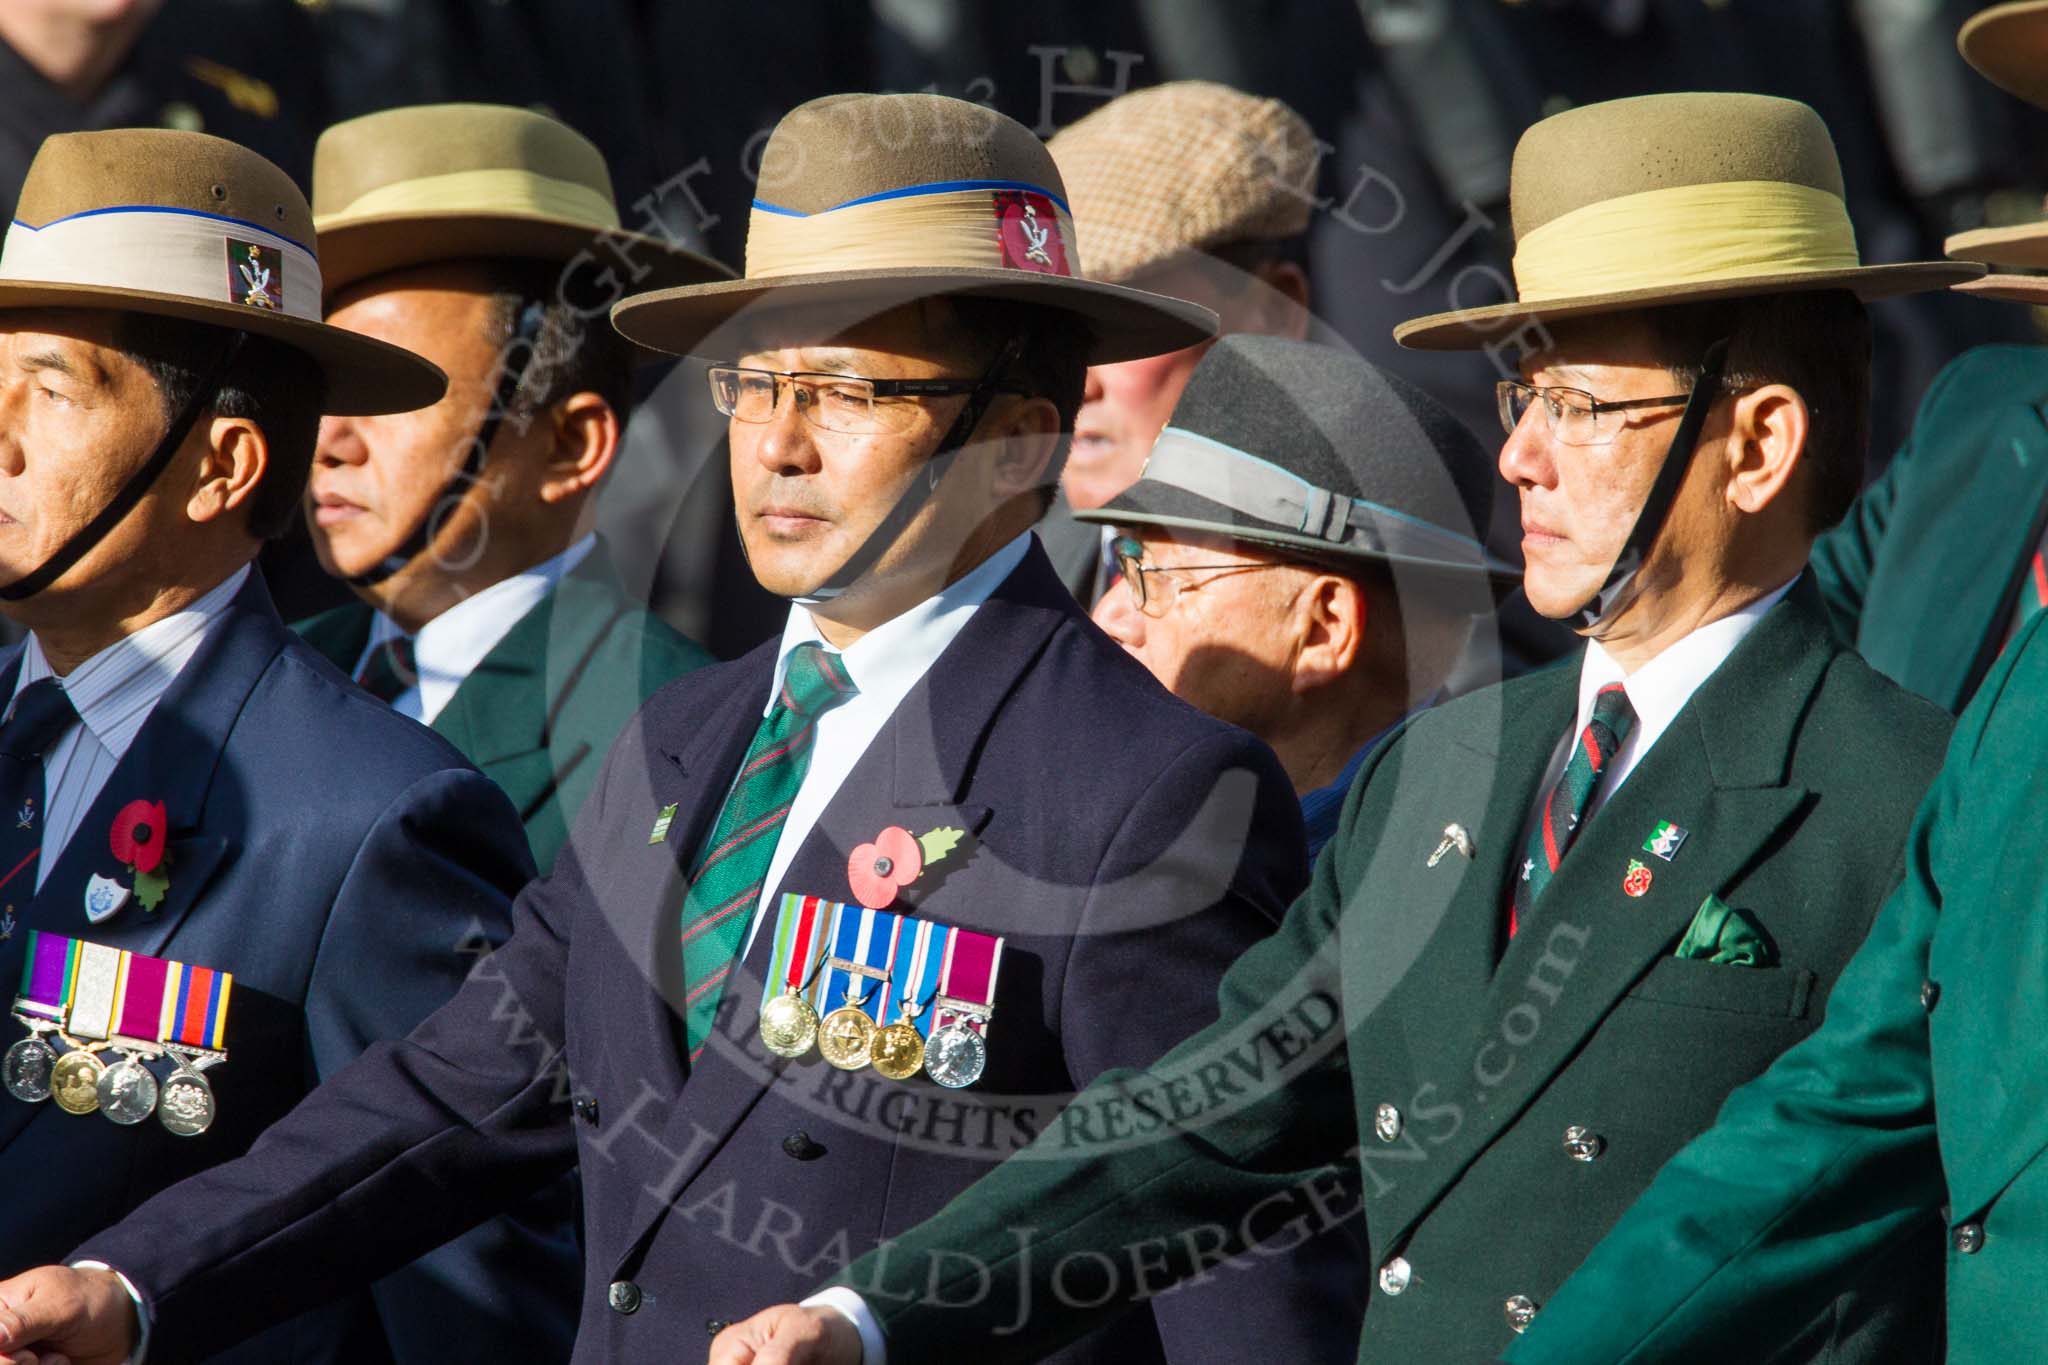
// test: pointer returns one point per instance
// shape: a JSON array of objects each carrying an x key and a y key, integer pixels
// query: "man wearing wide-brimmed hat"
[
  {"x": 846, "y": 921},
  {"x": 1941, "y": 561},
  {"x": 185, "y": 781},
  {"x": 477, "y": 236},
  {"x": 1300, "y": 557},
  {"x": 1194, "y": 190},
  {"x": 1565, "y": 915}
]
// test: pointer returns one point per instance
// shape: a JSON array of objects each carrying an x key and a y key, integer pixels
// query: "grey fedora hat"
[{"x": 1313, "y": 450}]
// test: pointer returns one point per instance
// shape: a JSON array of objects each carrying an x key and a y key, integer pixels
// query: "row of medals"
[
  {"x": 126, "y": 1092},
  {"x": 848, "y": 1039}
]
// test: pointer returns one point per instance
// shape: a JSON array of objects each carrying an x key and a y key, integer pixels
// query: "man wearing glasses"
[
  {"x": 1568, "y": 914},
  {"x": 942, "y": 809},
  {"x": 1317, "y": 639}
]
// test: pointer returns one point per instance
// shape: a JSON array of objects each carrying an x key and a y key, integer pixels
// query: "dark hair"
[
  {"x": 1053, "y": 364},
  {"x": 279, "y": 388},
  {"x": 1249, "y": 253},
  {"x": 1817, "y": 342},
  {"x": 572, "y": 352}
]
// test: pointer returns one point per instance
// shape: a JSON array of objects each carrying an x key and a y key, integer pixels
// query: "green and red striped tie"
[
  {"x": 733, "y": 866},
  {"x": 1564, "y": 810}
]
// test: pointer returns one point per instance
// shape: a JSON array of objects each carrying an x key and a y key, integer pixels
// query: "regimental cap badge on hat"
[
  {"x": 443, "y": 182},
  {"x": 1665, "y": 199},
  {"x": 867, "y": 202},
  {"x": 2009, "y": 45},
  {"x": 183, "y": 225},
  {"x": 1185, "y": 166},
  {"x": 1313, "y": 450}
]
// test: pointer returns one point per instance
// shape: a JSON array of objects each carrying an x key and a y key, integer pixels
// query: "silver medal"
[
  {"x": 186, "y": 1106},
  {"x": 956, "y": 1055},
  {"x": 127, "y": 1091},
  {"x": 26, "y": 1069}
]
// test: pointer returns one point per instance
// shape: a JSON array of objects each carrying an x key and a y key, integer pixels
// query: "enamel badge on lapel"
[
  {"x": 1637, "y": 881},
  {"x": 1664, "y": 840},
  {"x": 896, "y": 858},
  {"x": 1455, "y": 836},
  {"x": 104, "y": 898},
  {"x": 661, "y": 824}
]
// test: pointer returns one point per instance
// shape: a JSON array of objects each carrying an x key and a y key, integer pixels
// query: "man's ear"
[
  {"x": 234, "y": 456},
  {"x": 586, "y": 440},
  {"x": 1283, "y": 305},
  {"x": 1028, "y": 430},
  {"x": 1330, "y": 618},
  {"x": 1768, "y": 431}
]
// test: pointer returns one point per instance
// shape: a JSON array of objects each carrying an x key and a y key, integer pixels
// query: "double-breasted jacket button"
[
  {"x": 1930, "y": 994},
  {"x": 1386, "y": 1121},
  {"x": 1520, "y": 1311},
  {"x": 623, "y": 1296},
  {"x": 585, "y": 1108},
  {"x": 1394, "y": 1276},
  {"x": 1968, "y": 1238},
  {"x": 800, "y": 1146},
  {"x": 1583, "y": 1144}
]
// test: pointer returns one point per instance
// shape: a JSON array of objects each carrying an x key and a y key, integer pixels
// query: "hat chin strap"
[
  {"x": 1622, "y": 587},
  {"x": 531, "y": 315},
  {"x": 919, "y": 490},
  {"x": 139, "y": 483}
]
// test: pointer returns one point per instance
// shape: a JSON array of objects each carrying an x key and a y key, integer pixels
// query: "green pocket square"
[{"x": 1720, "y": 933}]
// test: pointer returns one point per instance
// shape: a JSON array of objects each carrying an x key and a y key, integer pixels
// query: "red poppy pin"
[
  {"x": 138, "y": 840},
  {"x": 894, "y": 860}
]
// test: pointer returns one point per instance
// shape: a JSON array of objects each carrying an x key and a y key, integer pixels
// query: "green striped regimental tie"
[{"x": 731, "y": 870}]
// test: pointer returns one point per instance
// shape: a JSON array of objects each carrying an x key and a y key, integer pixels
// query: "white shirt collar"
[
  {"x": 1660, "y": 688},
  {"x": 115, "y": 690},
  {"x": 449, "y": 647},
  {"x": 886, "y": 662}
]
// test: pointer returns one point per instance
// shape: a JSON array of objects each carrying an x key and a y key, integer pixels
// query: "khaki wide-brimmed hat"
[
  {"x": 866, "y": 202},
  {"x": 1665, "y": 199},
  {"x": 1184, "y": 166},
  {"x": 182, "y": 225},
  {"x": 444, "y": 182},
  {"x": 2009, "y": 45}
]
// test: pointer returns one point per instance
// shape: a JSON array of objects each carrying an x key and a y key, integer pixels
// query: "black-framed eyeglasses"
[
  {"x": 850, "y": 404},
  {"x": 1576, "y": 417},
  {"x": 1154, "y": 588}
]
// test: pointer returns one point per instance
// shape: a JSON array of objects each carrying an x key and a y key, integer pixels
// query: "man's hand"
[
  {"x": 55, "y": 1316},
  {"x": 788, "y": 1335}
]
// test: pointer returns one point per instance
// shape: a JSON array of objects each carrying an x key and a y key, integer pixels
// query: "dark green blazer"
[
  {"x": 541, "y": 710},
  {"x": 1923, "y": 575},
  {"x": 1923, "y": 1100},
  {"x": 1493, "y": 1113}
]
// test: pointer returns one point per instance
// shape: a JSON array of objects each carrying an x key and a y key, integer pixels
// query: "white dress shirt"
[
  {"x": 114, "y": 693},
  {"x": 449, "y": 647}
]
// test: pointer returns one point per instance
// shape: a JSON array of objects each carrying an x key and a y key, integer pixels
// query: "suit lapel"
[
  {"x": 916, "y": 768},
  {"x": 1719, "y": 772}
]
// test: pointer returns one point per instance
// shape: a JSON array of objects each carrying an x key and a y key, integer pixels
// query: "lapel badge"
[
  {"x": 1637, "y": 880},
  {"x": 661, "y": 823},
  {"x": 104, "y": 898},
  {"x": 1455, "y": 836},
  {"x": 1664, "y": 840}
]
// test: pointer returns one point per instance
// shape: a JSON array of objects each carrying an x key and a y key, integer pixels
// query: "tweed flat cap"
[
  {"x": 1190, "y": 165},
  {"x": 1312, "y": 449}
]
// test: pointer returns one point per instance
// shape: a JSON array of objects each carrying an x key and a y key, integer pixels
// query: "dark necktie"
[
  {"x": 733, "y": 867},
  {"x": 1564, "y": 809},
  {"x": 42, "y": 713},
  {"x": 390, "y": 669}
]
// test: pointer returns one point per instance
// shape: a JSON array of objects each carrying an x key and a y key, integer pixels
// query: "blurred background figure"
[{"x": 1300, "y": 557}]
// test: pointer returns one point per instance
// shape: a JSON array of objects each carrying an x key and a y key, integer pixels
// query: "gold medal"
[
  {"x": 789, "y": 1024},
  {"x": 75, "y": 1082},
  {"x": 847, "y": 1038},
  {"x": 899, "y": 1051}
]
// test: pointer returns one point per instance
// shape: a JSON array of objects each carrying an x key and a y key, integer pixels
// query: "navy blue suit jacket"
[
  {"x": 349, "y": 867},
  {"x": 1129, "y": 847}
]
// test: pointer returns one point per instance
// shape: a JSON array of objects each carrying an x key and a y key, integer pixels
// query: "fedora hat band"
[
  {"x": 199, "y": 256},
  {"x": 1257, "y": 487},
  {"x": 490, "y": 192},
  {"x": 1685, "y": 235},
  {"x": 954, "y": 224}
]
